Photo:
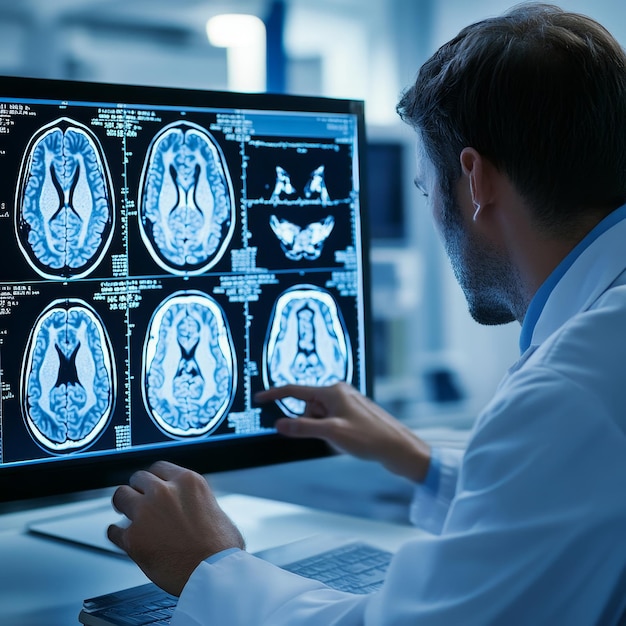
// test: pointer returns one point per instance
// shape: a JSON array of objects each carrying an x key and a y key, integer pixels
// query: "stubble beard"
[{"x": 489, "y": 281}]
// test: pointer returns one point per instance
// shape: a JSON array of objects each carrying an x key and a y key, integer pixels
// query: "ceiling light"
[
  {"x": 244, "y": 38},
  {"x": 235, "y": 30}
]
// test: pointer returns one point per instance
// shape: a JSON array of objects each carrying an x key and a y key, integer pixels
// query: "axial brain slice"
[
  {"x": 64, "y": 214},
  {"x": 307, "y": 344},
  {"x": 186, "y": 204},
  {"x": 69, "y": 377},
  {"x": 189, "y": 365}
]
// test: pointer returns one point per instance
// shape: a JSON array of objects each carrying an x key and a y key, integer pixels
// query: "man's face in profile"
[{"x": 485, "y": 275}]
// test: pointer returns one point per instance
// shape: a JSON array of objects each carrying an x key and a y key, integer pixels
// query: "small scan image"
[
  {"x": 307, "y": 343},
  {"x": 314, "y": 188},
  {"x": 302, "y": 242},
  {"x": 189, "y": 365},
  {"x": 68, "y": 377},
  {"x": 186, "y": 203},
  {"x": 65, "y": 212},
  {"x": 301, "y": 200},
  {"x": 299, "y": 172},
  {"x": 303, "y": 238}
]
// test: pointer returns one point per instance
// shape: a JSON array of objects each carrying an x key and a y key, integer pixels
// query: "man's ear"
[{"x": 476, "y": 170}]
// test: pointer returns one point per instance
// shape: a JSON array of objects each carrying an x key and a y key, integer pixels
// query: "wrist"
[
  {"x": 218, "y": 556},
  {"x": 409, "y": 457}
]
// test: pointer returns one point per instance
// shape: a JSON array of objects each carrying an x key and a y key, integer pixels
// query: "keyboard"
[
  {"x": 146, "y": 604},
  {"x": 355, "y": 567}
]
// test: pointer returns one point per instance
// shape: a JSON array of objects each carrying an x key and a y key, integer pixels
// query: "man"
[{"x": 521, "y": 135}]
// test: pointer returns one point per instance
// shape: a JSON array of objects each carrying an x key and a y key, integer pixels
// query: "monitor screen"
[{"x": 166, "y": 254}]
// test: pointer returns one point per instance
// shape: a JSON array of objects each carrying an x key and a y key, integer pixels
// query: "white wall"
[{"x": 449, "y": 16}]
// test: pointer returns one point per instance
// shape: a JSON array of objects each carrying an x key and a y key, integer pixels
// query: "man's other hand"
[{"x": 175, "y": 523}]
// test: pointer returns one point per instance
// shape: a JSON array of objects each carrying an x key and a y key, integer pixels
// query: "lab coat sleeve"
[
  {"x": 432, "y": 499},
  {"x": 241, "y": 589}
]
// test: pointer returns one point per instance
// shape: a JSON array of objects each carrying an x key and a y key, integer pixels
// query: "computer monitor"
[
  {"x": 165, "y": 254},
  {"x": 385, "y": 188}
]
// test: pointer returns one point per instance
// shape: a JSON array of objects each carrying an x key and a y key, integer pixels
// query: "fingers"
[
  {"x": 166, "y": 470},
  {"x": 126, "y": 500},
  {"x": 301, "y": 392},
  {"x": 116, "y": 535},
  {"x": 144, "y": 480},
  {"x": 305, "y": 427}
]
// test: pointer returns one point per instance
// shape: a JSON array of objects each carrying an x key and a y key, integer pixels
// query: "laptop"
[{"x": 346, "y": 565}]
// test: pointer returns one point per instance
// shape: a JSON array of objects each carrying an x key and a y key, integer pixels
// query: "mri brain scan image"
[
  {"x": 68, "y": 374},
  {"x": 302, "y": 243},
  {"x": 186, "y": 206},
  {"x": 65, "y": 204},
  {"x": 282, "y": 186},
  {"x": 189, "y": 365},
  {"x": 316, "y": 186},
  {"x": 307, "y": 344}
]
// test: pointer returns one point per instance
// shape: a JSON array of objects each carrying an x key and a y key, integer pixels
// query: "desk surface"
[{"x": 43, "y": 581}]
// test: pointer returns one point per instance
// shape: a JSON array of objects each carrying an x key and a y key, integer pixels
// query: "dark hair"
[{"x": 539, "y": 92}]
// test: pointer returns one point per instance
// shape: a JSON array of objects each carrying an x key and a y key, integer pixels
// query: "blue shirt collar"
[{"x": 543, "y": 293}]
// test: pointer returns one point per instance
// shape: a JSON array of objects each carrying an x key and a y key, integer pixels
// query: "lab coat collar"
[{"x": 578, "y": 281}]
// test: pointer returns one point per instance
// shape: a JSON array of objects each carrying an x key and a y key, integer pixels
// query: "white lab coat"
[{"x": 529, "y": 525}]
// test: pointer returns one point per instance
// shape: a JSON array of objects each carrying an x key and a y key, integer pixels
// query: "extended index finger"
[{"x": 301, "y": 392}]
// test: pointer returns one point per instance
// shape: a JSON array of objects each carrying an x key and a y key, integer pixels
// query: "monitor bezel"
[{"x": 88, "y": 473}]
